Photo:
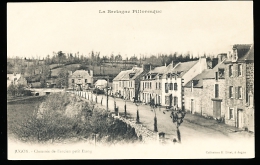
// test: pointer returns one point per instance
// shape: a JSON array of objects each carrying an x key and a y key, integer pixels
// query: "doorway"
[
  {"x": 239, "y": 118},
  {"x": 217, "y": 109}
]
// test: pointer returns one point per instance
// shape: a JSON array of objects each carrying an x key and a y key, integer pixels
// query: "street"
[{"x": 190, "y": 131}]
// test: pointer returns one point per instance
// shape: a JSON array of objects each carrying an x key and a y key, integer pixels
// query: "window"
[
  {"x": 231, "y": 113},
  {"x": 86, "y": 80},
  {"x": 72, "y": 80},
  {"x": 216, "y": 75},
  {"x": 150, "y": 85},
  {"x": 156, "y": 85},
  {"x": 119, "y": 84},
  {"x": 159, "y": 85},
  {"x": 231, "y": 92},
  {"x": 230, "y": 70},
  {"x": 216, "y": 91},
  {"x": 175, "y": 86},
  {"x": 143, "y": 85},
  {"x": 166, "y": 87},
  {"x": 221, "y": 73},
  {"x": 239, "y": 70},
  {"x": 240, "y": 92},
  {"x": 171, "y": 86}
]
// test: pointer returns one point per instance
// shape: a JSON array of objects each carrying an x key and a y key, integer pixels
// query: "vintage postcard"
[{"x": 130, "y": 80}]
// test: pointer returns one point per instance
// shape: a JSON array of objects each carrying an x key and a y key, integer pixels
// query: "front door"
[
  {"x": 239, "y": 118},
  {"x": 216, "y": 109},
  {"x": 192, "y": 106}
]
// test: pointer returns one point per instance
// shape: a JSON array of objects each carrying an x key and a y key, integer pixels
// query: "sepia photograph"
[{"x": 130, "y": 80}]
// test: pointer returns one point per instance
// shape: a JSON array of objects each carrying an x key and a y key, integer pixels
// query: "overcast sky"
[{"x": 38, "y": 29}]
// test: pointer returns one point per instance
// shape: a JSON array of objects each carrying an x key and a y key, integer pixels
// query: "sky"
[{"x": 39, "y": 29}]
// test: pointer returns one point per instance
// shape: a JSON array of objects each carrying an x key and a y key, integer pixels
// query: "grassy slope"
[
  {"x": 20, "y": 110},
  {"x": 74, "y": 67}
]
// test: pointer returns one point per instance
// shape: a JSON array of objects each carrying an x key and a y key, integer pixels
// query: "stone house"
[
  {"x": 173, "y": 81},
  {"x": 151, "y": 84},
  {"x": 126, "y": 83},
  {"x": 80, "y": 79},
  {"x": 193, "y": 91},
  {"x": 205, "y": 93},
  {"x": 16, "y": 79},
  {"x": 239, "y": 78}
]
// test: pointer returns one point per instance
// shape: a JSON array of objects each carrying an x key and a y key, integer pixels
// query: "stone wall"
[
  {"x": 196, "y": 95},
  {"x": 209, "y": 93},
  {"x": 250, "y": 77},
  {"x": 234, "y": 103}
]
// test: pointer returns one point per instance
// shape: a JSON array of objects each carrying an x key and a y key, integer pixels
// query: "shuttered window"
[
  {"x": 240, "y": 92},
  {"x": 166, "y": 87},
  {"x": 231, "y": 92},
  {"x": 230, "y": 70},
  {"x": 175, "y": 86},
  {"x": 239, "y": 69},
  {"x": 171, "y": 86}
]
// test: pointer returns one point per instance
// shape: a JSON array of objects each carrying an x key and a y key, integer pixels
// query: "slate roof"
[
  {"x": 244, "y": 52},
  {"x": 80, "y": 73},
  {"x": 124, "y": 75},
  {"x": 199, "y": 78},
  {"x": 181, "y": 67},
  {"x": 206, "y": 74},
  {"x": 249, "y": 55}
]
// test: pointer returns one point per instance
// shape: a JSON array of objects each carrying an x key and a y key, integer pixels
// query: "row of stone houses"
[{"x": 225, "y": 91}]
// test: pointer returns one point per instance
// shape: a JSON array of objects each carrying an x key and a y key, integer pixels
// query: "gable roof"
[
  {"x": 249, "y": 55},
  {"x": 206, "y": 74},
  {"x": 199, "y": 78},
  {"x": 182, "y": 67},
  {"x": 244, "y": 52},
  {"x": 124, "y": 75},
  {"x": 80, "y": 73}
]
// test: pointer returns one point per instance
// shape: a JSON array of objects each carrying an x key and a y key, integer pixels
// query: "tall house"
[
  {"x": 239, "y": 78},
  {"x": 80, "y": 79},
  {"x": 151, "y": 84},
  {"x": 126, "y": 83},
  {"x": 173, "y": 81}
]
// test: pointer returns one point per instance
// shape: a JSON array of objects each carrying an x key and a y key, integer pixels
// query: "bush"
[{"x": 62, "y": 116}]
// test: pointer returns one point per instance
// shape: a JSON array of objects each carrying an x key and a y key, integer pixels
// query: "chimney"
[
  {"x": 164, "y": 64},
  {"x": 91, "y": 73}
]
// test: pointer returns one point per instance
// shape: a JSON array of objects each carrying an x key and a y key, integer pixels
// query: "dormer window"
[
  {"x": 235, "y": 54},
  {"x": 221, "y": 73}
]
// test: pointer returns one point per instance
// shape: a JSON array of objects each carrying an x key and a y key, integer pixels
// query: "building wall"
[
  {"x": 80, "y": 80},
  {"x": 196, "y": 95},
  {"x": 153, "y": 91},
  {"x": 250, "y": 110},
  {"x": 250, "y": 77},
  {"x": 195, "y": 70},
  {"x": 175, "y": 93},
  {"x": 235, "y": 103},
  {"x": 209, "y": 93}
]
